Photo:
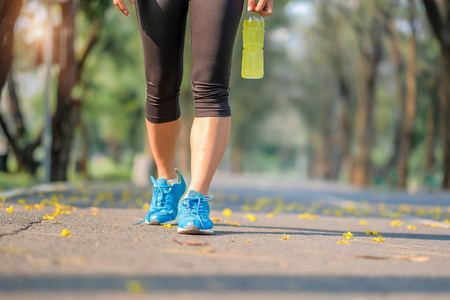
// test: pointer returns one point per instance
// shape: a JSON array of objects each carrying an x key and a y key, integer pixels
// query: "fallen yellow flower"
[
  {"x": 48, "y": 217},
  {"x": 303, "y": 216},
  {"x": 285, "y": 237},
  {"x": 215, "y": 219},
  {"x": 135, "y": 287},
  {"x": 37, "y": 206},
  {"x": 379, "y": 239},
  {"x": 10, "y": 209},
  {"x": 250, "y": 217},
  {"x": 81, "y": 216},
  {"x": 371, "y": 232},
  {"x": 396, "y": 223},
  {"x": 28, "y": 207},
  {"x": 249, "y": 241},
  {"x": 435, "y": 225},
  {"x": 65, "y": 232},
  {"x": 347, "y": 235},
  {"x": 362, "y": 222},
  {"x": 167, "y": 226},
  {"x": 343, "y": 242},
  {"x": 226, "y": 212},
  {"x": 270, "y": 215},
  {"x": 94, "y": 213},
  {"x": 411, "y": 227}
]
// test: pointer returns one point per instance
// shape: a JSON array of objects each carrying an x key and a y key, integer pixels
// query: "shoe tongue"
[
  {"x": 161, "y": 181},
  {"x": 192, "y": 194}
]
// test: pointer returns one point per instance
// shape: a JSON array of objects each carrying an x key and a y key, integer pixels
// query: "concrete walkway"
[{"x": 280, "y": 240}]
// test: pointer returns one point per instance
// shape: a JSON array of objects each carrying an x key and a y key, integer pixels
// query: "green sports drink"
[{"x": 253, "y": 54}]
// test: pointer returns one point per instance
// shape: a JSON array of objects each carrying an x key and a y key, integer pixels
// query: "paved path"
[{"x": 106, "y": 256}]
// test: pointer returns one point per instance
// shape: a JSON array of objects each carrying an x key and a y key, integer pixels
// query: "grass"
[{"x": 16, "y": 180}]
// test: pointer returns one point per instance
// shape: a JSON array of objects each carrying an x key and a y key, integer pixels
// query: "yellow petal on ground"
[
  {"x": 362, "y": 222},
  {"x": 343, "y": 242},
  {"x": 95, "y": 213},
  {"x": 250, "y": 217},
  {"x": 246, "y": 207},
  {"x": 81, "y": 216},
  {"x": 270, "y": 215},
  {"x": 28, "y": 207},
  {"x": 303, "y": 216},
  {"x": 378, "y": 239},
  {"x": 249, "y": 241},
  {"x": 37, "y": 206},
  {"x": 135, "y": 287},
  {"x": 285, "y": 237},
  {"x": 167, "y": 226},
  {"x": 411, "y": 227},
  {"x": 371, "y": 233},
  {"x": 66, "y": 212},
  {"x": 226, "y": 212},
  {"x": 65, "y": 232},
  {"x": 146, "y": 206},
  {"x": 10, "y": 209},
  {"x": 347, "y": 235},
  {"x": 48, "y": 217},
  {"x": 396, "y": 223},
  {"x": 215, "y": 219},
  {"x": 435, "y": 225}
]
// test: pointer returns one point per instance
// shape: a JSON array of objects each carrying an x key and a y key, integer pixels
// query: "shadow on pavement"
[
  {"x": 308, "y": 231},
  {"x": 195, "y": 283}
]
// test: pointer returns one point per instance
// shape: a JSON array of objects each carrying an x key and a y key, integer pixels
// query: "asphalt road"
[{"x": 107, "y": 257}]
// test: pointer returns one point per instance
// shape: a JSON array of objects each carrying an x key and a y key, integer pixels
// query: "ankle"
[{"x": 168, "y": 174}]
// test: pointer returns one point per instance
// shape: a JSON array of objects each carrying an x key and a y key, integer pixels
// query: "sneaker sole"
[
  {"x": 153, "y": 222},
  {"x": 194, "y": 230}
]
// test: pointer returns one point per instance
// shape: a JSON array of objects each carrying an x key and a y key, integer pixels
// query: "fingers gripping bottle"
[{"x": 253, "y": 38}]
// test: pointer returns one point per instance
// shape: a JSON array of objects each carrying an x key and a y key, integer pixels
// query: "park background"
[{"x": 354, "y": 91}]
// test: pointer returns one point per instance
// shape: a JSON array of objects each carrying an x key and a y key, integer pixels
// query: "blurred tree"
[
  {"x": 9, "y": 11},
  {"x": 67, "y": 113},
  {"x": 410, "y": 101},
  {"x": 438, "y": 13}
]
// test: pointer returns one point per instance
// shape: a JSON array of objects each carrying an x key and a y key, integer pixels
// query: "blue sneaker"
[
  {"x": 193, "y": 214},
  {"x": 164, "y": 206}
]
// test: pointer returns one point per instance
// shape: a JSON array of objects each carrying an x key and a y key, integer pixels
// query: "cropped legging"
[{"x": 213, "y": 29}]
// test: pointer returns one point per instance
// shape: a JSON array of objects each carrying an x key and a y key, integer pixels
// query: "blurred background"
[{"x": 354, "y": 91}]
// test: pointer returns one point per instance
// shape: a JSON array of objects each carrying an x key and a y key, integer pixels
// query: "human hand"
[
  {"x": 122, "y": 7},
  {"x": 264, "y": 8}
]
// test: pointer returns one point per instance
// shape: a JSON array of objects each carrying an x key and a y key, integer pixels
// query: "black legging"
[{"x": 213, "y": 30}]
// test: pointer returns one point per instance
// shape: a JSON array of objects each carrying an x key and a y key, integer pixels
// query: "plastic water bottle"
[{"x": 253, "y": 38}]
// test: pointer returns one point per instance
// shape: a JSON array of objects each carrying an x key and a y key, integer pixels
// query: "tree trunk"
[
  {"x": 396, "y": 58},
  {"x": 411, "y": 95},
  {"x": 445, "y": 113},
  {"x": 439, "y": 23},
  {"x": 16, "y": 112},
  {"x": 365, "y": 131},
  {"x": 430, "y": 143},
  {"x": 67, "y": 112},
  {"x": 9, "y": 11}
]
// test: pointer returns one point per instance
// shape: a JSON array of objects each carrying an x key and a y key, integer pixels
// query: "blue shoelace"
[
  {"x": 194, "y": 207},
  {"x": 161, "y": 198}
]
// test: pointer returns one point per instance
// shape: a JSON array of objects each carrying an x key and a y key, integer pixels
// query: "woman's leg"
[
  {"x": 209, "y": 139},
  {"x": 162, "y": 25},
  {"x": 213, "y": 27}
]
